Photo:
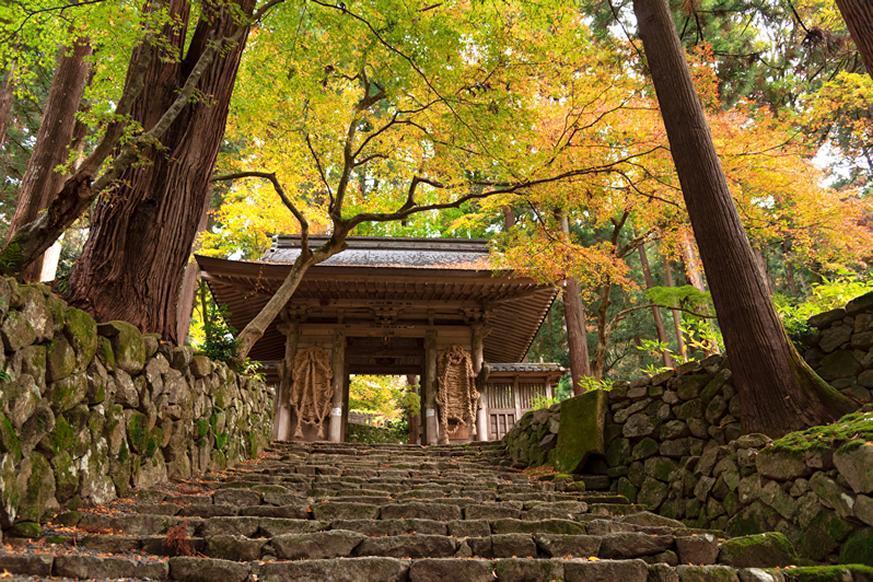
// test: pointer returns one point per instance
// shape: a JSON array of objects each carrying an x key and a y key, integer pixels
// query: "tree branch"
[{"x": 277, "y": 186}]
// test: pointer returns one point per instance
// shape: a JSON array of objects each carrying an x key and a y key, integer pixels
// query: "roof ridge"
[{"x": 392, "y": 243}]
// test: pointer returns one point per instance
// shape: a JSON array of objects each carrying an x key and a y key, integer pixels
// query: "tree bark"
[
  {"x": 761, "y": 261},
  {"x": 188, "y": 288},
  {"x": 7, "y": 98},
  {"x": 41, "y": 182},
  {"x": 598, "y": 367},
  {"x": 576, "y": 322},
  {"x": 677, "y": 316},
  {"x": 256, "y": 328},
  {"x": 140, "y": 240},
  {"x": 691, "y": 262},
  {"x": 858, "y": 15},
  {"x": 778, "y": 391},
  {"x": 656, "y": 311},
  {"x": 508, "y": 218}
]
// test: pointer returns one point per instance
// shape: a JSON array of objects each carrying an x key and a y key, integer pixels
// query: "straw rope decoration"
[
  {"x": 312, "y": 392},
  {"x": 456, "y": 395}
]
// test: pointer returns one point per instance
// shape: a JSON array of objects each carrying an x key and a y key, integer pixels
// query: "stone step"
[
  {"x": 365, "y": 569},
  {"x": 361, "y": 513},
  {"x": 405, "y": 540}
]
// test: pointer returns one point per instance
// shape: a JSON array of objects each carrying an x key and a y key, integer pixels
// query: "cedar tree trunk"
[
  {"x": 677, "y": 317},
  {"x": 598, "y": 366},
  {"x": 188, "y": 288},
  {"x": 858, "y": 15},
  {"x": 7, "y": 97},
  {"x": 141, "y": 235},
  {"x": 508, "y": 218},
  {"x": 778, "y": 391},
  {"x": 40, "y": 181},
  {"x": 656, "y": 311},
  {"x": 691, "y": 262},
  {"x": 575, "y": 319}
]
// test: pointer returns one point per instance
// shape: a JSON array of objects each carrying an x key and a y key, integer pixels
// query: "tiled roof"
[
  {"x": 415, "y": 253},
  {"x": 525, "y": 367}
]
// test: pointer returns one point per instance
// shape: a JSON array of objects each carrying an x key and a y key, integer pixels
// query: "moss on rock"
[
  {"x": 39, "y": 495},
  {"x": 138, "y": 432},
  {"x": 62, "y": 437},
  {"x": 128, "y": 345},
  {"x": 825, "y": 533},
  {"x": 81, "y": 329},
  {"x": 758, "y": 551},
  {"x": 105, "y": 353},
  {"x": 828, "y": 573},
  {"x": 26, "y": 529},
  {"x": 581, "y": 430},
  {"x": 9, "y": 441},
  {"x": 858, "y": 548},
  {"x": 855, "y": 427}
]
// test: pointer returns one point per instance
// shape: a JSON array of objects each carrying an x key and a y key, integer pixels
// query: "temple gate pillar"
[
  {"x": 282, "y": 407},
  {"x": 414, "y": 420},
  {"x": 338, "y": 365},
  {"x": 478, "y": 355},
  {"x": 429, "y": 388}
]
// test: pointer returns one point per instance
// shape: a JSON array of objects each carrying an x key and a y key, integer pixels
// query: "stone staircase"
[{"x": 347, "y": 512}]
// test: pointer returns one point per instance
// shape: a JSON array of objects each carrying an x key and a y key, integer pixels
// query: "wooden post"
[
  {"x": 335, "y": 431},
  {"x": 413, "y": 420},
  {"x": 516, "y": 398},
  {"x": 429, "y": 388},
  {"x": 282, "y": 408},
  {"x": 478, "y": 353}
]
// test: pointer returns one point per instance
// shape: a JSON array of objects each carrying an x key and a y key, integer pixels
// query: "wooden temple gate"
[{"x": 424, "y": 307}]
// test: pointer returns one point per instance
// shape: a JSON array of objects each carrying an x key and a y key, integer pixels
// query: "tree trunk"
[
  {"x": 858, "y": 15},
  {"x": 691, "y": 262},
  {"x": 7, "y": 98},
  {"x": 133, "y": 262},
  {"x": 656, "y": 311},
  {"x": 677, "y": 316},
  {"x": 575, "y": 319},
  {"x": 188, "y": 288},
  {"x": 761, "y": 261},
  {"x": 256, "y": 328},
  {"x": 790, "y": 280},
  {"x": 778, "y": 391},
  {"x": 40, "y": 181},
  {"x": 598, "y": 367},
  {"x": 508, "y": 218}
]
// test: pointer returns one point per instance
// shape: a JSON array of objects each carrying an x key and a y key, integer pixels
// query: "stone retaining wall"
[
  {"x": 89, "y": 410},
  {"x": 840, "y": 347},
  {"x": 815, "y": 489},
  {"x": 673, "y": 443}
]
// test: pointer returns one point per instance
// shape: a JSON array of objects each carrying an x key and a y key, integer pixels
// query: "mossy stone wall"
[
  {"x": 673, "y": 443},
  {"x": 90, "y": 410}
]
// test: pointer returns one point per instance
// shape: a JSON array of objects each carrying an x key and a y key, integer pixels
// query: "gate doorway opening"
[
  {"x": 383, "y": 408},
  {"x": 383, "y": 388}
]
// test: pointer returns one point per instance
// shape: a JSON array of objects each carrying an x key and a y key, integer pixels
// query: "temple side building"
[{"x": 432, "y": 308}]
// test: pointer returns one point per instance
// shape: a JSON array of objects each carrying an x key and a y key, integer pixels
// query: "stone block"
[
  {"x": 606, "y": 571},
  {"x": 854, "y": 461},
  {"x": 582, "y": 430},
  {"x": 763, "y": 550},
  {"x": 439, "y": 570},
  {"x": 318, "y": 545}
]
